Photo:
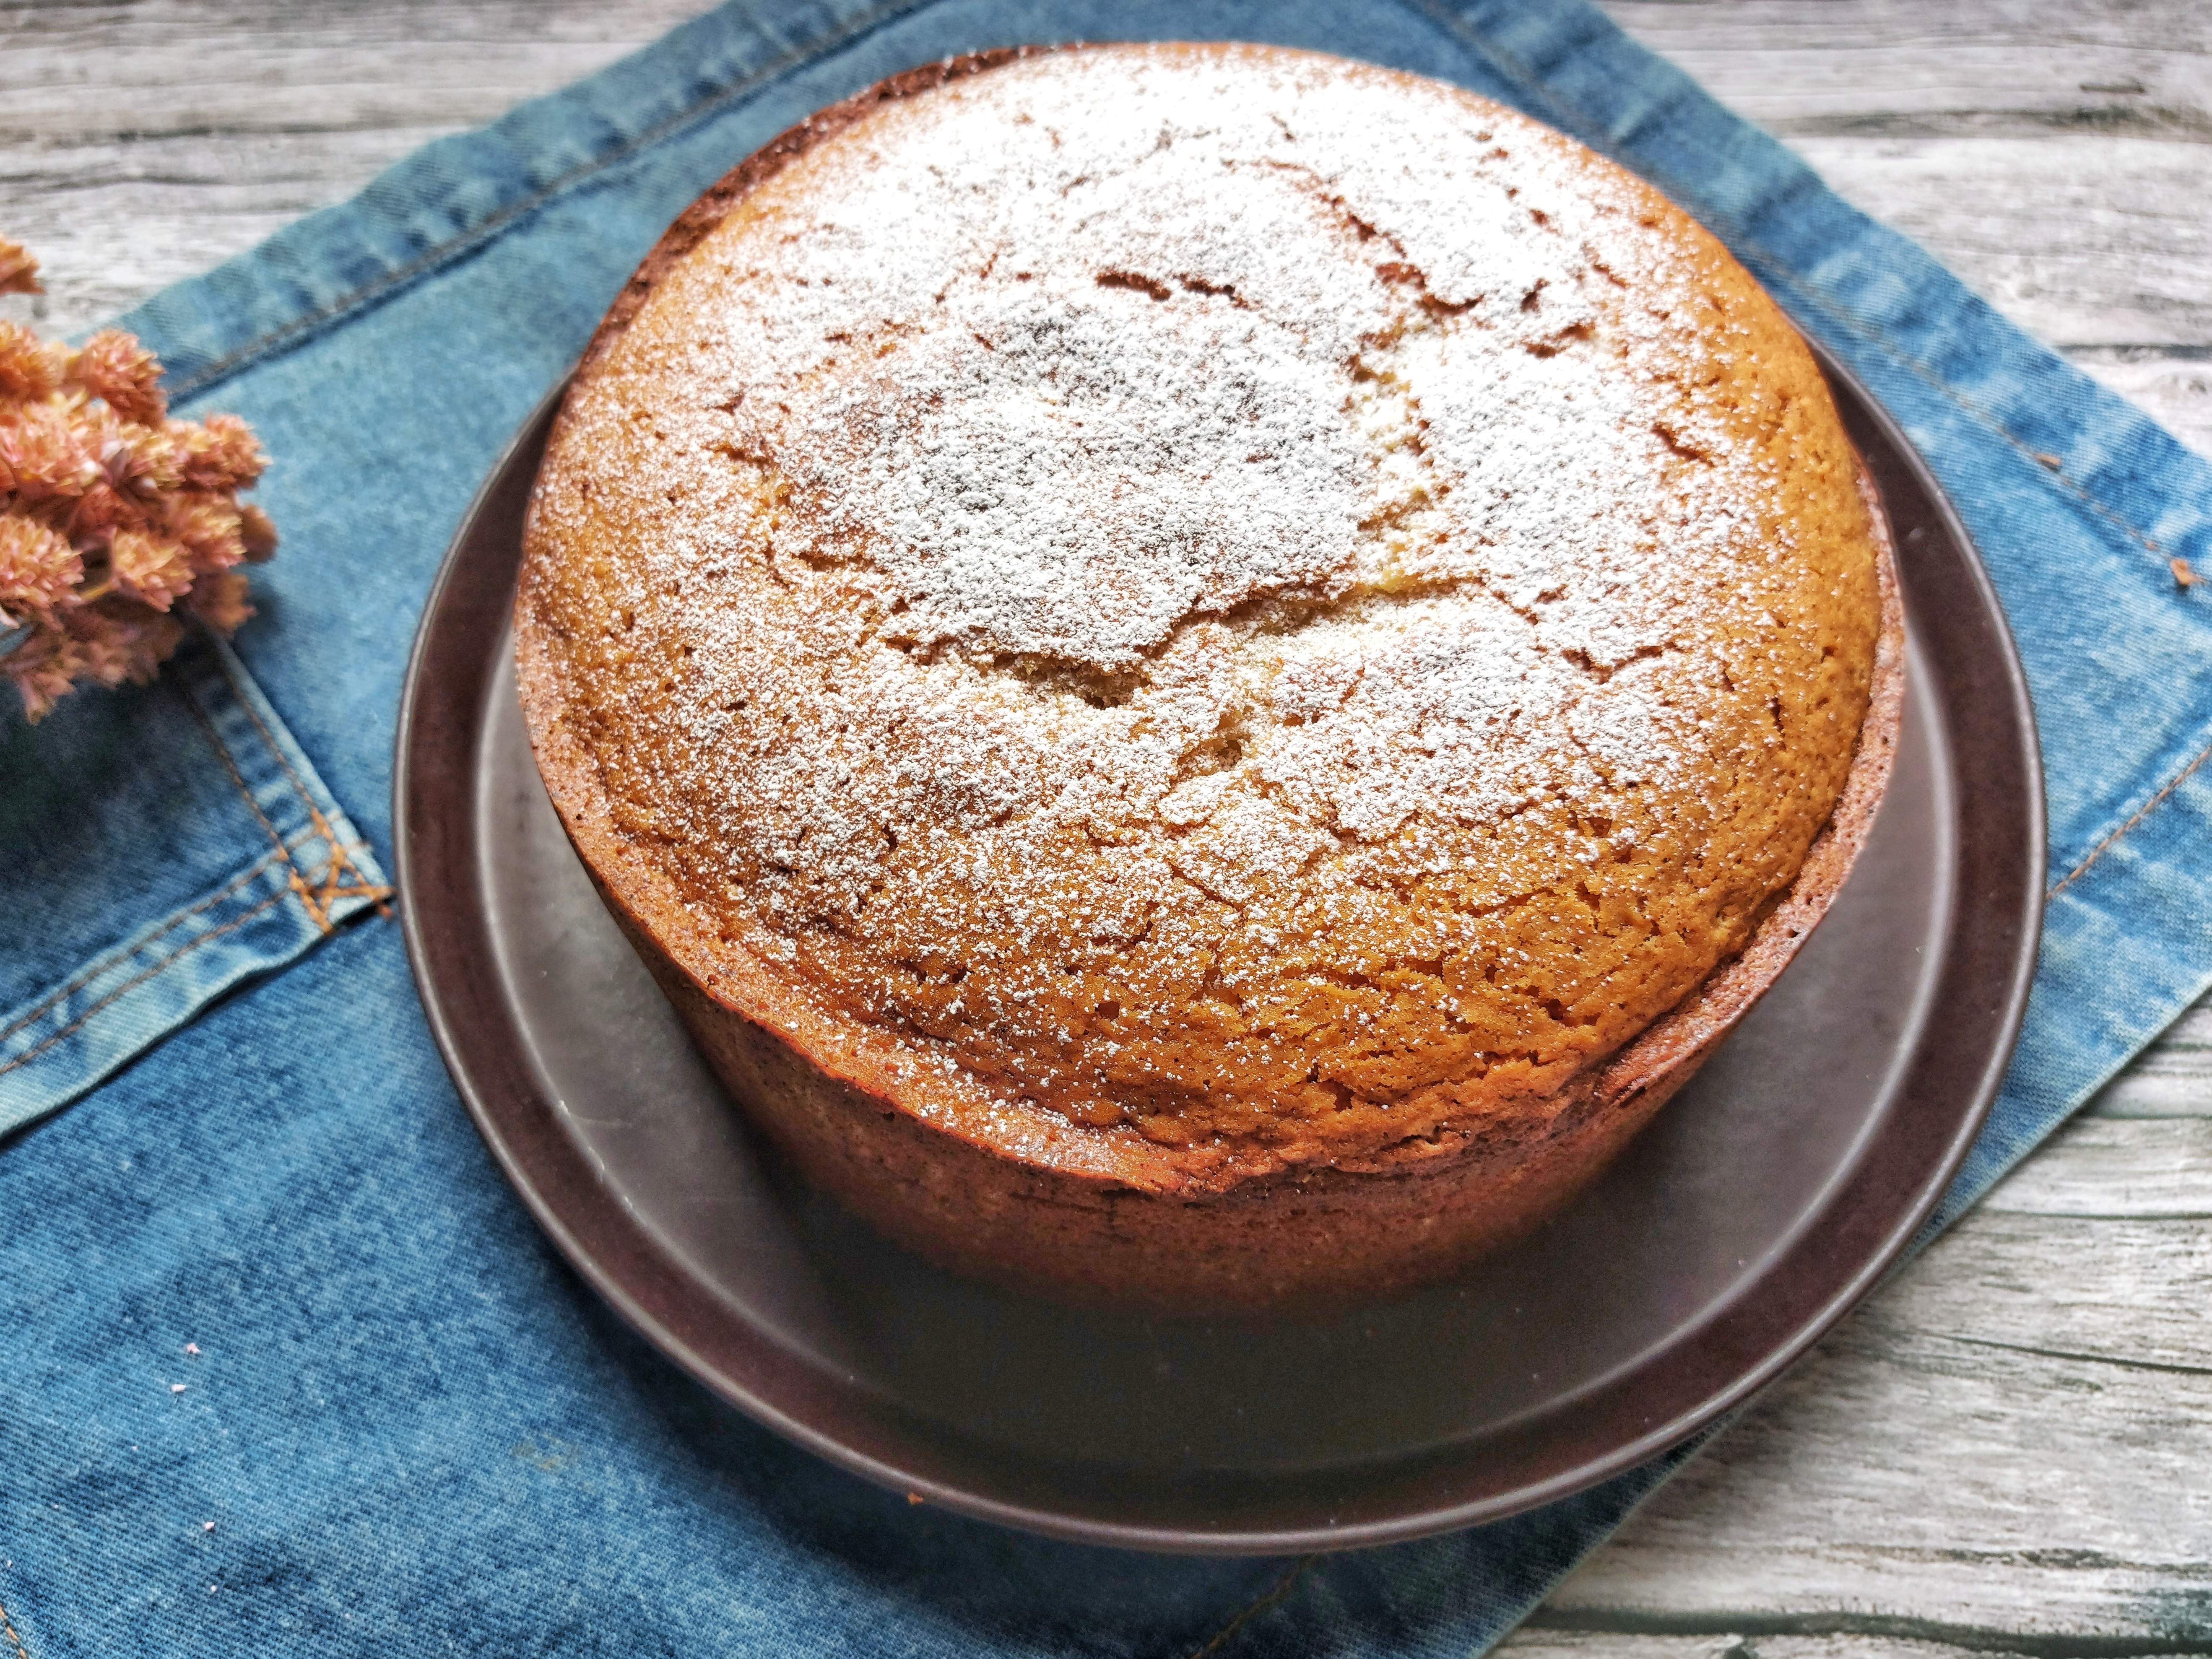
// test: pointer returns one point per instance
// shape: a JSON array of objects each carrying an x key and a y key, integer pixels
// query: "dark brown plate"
[{"x": 1764, "y": 1200}]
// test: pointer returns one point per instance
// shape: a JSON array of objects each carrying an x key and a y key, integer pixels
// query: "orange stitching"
[
  {"x": 339, "y": 861},
  {"x": 1275, "y": 1596},
  {"x": 298, "y": 886},
  {"x": 21, "y": 1652},
  {"x": 93, "y": 971},
  {"x": 129, "y": 985},
  {"x": 2141, "y": 812},
  {"x": 315, "y": 900}
]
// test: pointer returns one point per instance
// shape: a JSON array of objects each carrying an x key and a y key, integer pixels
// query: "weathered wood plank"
[
  {"x": 2083, "y": 241},
  {"x": 2125, "y": 1167},
  {"x": 1563, "y": 1641},
  {"x": 1907, "y": 1475},
  {"x": 2173, "y": 1078},
  {"x": 2128, "y": 1292},
  {"x": 1979, "y": 67},
  {"x": 141, "y": 143},
  {"x": 113, "y": 224}
]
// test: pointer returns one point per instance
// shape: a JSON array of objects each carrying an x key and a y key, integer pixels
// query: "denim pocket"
[{"x": 222, "y": 817}]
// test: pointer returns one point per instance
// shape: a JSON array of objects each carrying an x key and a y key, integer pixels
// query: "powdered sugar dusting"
[{"x": 1144, "y": 513}]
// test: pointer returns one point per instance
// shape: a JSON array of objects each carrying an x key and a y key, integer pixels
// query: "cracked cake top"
[{"x": 1202, "y": 602}]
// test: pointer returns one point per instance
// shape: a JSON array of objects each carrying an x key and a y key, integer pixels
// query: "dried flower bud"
[
  {"x": 115, "y": 369},
  {"x": 221, "y": 452},
  {"x": 38, "y": 567},
  {"x": 209, "y": 526},
  {"x": 43, "y": 668},
  {"x": 113, "y": 516},
  {"x": 150, "y": 567},
  {"x": 155, "y": 461},
  {"x": 27, "y": 368},
  {"x": 19, "y": 271},
  {"x": 42, "y": 452},
  {"x": 257, "y": 531},
  {"x": 118, "y": 641},
  {"x": 219, "y": 600}
]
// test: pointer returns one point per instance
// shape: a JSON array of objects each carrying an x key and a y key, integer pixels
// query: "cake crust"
[{"x": 1143, "y": 1104}]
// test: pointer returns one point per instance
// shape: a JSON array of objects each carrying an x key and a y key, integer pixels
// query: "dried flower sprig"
[{"x": 113, "y": 516}]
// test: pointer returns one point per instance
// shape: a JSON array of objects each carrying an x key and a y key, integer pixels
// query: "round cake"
[{"x": 1205, "y": 671}]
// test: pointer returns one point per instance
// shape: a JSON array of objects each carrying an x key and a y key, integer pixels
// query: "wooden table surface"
[{"x": 2009, "y": 1449}]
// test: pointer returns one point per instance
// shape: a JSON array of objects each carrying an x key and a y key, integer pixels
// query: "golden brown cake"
[{"x": 1205, "y": 671}]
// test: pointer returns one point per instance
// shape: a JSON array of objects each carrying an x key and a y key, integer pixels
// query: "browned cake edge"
[{"x": 1321, "y": 1235}]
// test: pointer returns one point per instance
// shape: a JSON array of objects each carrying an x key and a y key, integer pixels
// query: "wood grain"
[
  {"x": 2009, "y": 1448},
  {"x": 140, "y": 143}
]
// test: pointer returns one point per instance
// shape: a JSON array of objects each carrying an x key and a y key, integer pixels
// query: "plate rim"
[{"x": 634, "y": 1278}]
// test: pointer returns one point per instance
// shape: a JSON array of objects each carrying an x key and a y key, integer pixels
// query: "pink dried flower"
[
  {"x": 151, "y": 567},
  {"x": 19, "y": 271},
  {"x": 42, "y": 452},
  {"x": 115, "y": 369},
  {"x": 219, "y": 600},
  {"x": 113, "y": 516},
  {"x": 27, "y": 368},
  {"x": 120, "y": 640},
  {"x": 221, "y": 452},
  {"x": 37, "y": 568},
  {"x": 93, "y": 517},
  {"x": 209, "y": 527},
  {"x": 154, "y": 460},
  {"x": 257, "y": 531},
  {"x": 43, "y": 668}
]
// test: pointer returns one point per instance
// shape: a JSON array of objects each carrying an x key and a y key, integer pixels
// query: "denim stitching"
[
  {"x": 298, "y": 884},
  {"x": 93, "y": 971},
  {"x": 300, "y": 328},
  {"x": 2140, "y": 813},
  {"x": 21, "y": 1652},
  {"x": 1274, "y": 1595},
  {"x": 330, "y": 888},
  {"x": 129, "y": 985}
]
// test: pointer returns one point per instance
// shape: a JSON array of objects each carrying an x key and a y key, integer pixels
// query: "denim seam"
[
  {"x": 100, "y": 965},
  {"x": 301, "y": 330},
  {"x": 1274, "y": 1596},
  {"x": 340, "y": 861},
  {"x": 314, "y": 900},
  {"x": 15, "y": 1641},
  {"x": 2140, "y": 813},
  {"x": 133, "y": 984},
  {"x": 297, "y": 885}
]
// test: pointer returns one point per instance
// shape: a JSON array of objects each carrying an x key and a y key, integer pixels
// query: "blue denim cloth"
[{"x": 414, "y": 1430}]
